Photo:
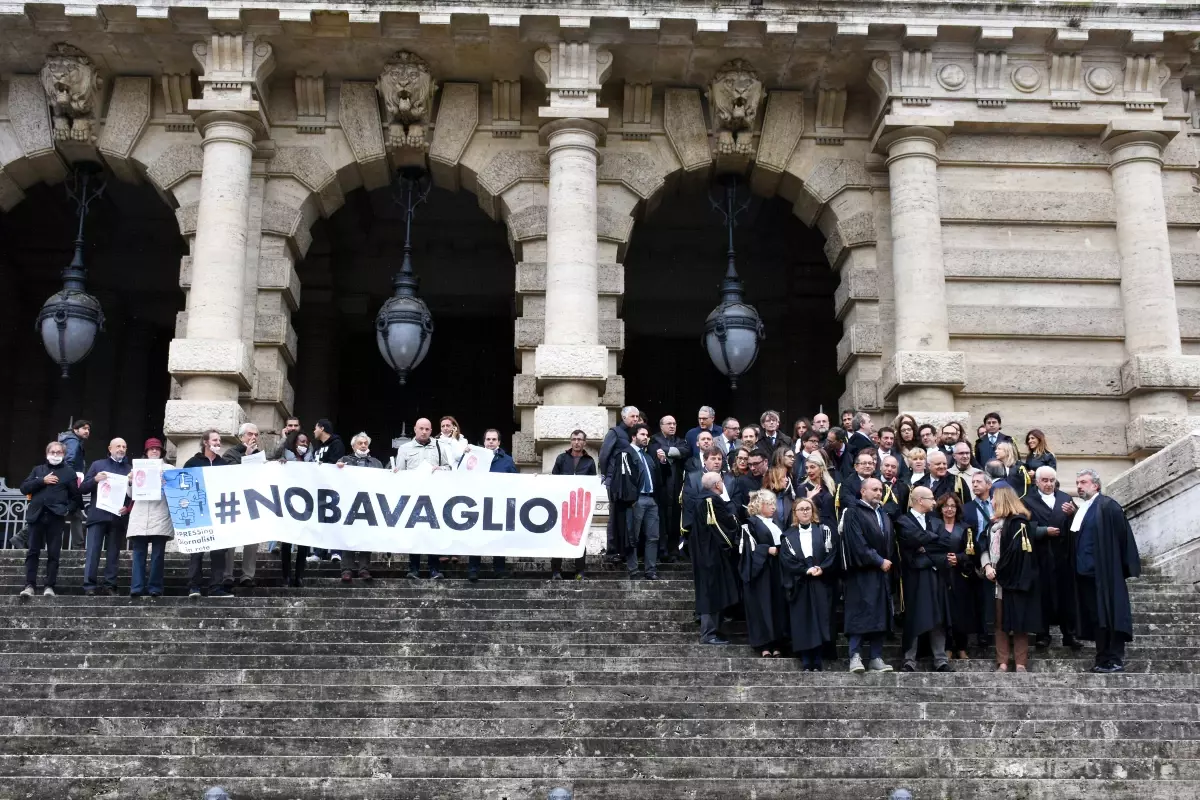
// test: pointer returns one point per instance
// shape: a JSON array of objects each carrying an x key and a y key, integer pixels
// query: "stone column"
[
  {"x": 923, "y": 371},
  {"x": 571, "y": 365},
  {"x": 212, "y": 363},
  {"x": 1157, "y": 378}
]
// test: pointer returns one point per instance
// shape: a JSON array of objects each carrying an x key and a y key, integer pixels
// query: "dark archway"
[
  {"x": 468, "y": 279},
  {"x": 132, "y": 253},
  {"x": 672, "y": 278}
]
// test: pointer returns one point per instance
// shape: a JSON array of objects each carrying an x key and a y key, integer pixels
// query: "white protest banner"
[
  {"x": 110, "y": 493},
  {"x": 358, "y": 508},
  {"x": 147, "y": 478},
  {"x": 255, "y": 458},
  {"x": 477, "y": 459}
]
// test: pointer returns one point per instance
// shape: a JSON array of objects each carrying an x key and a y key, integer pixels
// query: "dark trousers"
[
  {"x": 643, "y": 521},
  {"x": 157, "y": 545},
  {"x": 358, "y": 559},
  {"x": 104, "y": 536},
  {"x": 1110, "y": 647},
  {"x": 580, "y": 565},
  {"x": 710, "y": 626},
  {"x": 47, "y": 532},
  {"x": 285, "y": 561},
  {"x": 414, "y": 564},
  {"x": 873, "y": 641},
  {"x": 811, "y": 659},
  {"x": 617, "y": 522},
  {"x": 668, "y": 523},
  {"x": 474, "y": 562},
  {"x": 196, "y": 570}
]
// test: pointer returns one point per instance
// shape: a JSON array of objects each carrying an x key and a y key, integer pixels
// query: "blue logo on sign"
[{"x": 186, "y": 498}]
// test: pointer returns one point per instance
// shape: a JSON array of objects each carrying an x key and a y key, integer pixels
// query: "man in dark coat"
[
  {"x": 772, "y": 437},
  {"x": 616, "y": 441},
  {"x": 75, "y": 441},
  {"x": 923, "y": 558},
  {"x": 942, "y": 482},
  {"x": 860, "y": 437},
  {"x": 574, "y": 461},
  {"x": 672, "y": 453},
  {"x": 1106, "y": 555},
  {"x": 642, "y": 524},
  {"x": 53, "y": 492},
  {"x": 1055, "y": 574},
  {"x": 849, "y": 490},
  {"x": 695, "y": 462},
  {"x": 748, "y": 484},
  {"x": 985, "y": 446},
  {"x": 895, "y": 488},
  {"x": 714, "y": 461},
  {"x": 105, "y": 530},
  {"x": 707, "y": 418},
  {"x": 711, "y": 541},
  {"x": 868, "y": 546}
]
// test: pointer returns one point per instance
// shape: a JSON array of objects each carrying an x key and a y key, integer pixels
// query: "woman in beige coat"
[{"x": 149, "y": 528}]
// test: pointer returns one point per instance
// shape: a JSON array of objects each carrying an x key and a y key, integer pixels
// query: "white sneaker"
[
  {"x": 313, "y": 559},
  {"x": 879, "y": 665},
  {"x": 48, "y": 592},
  {"x": 27, "y": 592},
  {"x": 336, "y": 557},
  {"x": 856, "y": 665}
]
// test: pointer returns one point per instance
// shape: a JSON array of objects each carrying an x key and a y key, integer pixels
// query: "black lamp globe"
[
  {"x": 71, "y": 318},
  {"x": 733, "y": 329},
  {"x": 404, "y": 326}
]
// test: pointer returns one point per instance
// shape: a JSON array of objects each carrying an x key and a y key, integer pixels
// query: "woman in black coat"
[
  {"x": 762, "y": 583},
  {"x": 818, "y": 487},
  {"x": 806, "y": 558},
  {"x": 53, "y": 490},
  {"x": 1011, "y": 564},
  {"x": 958, "y": 540},
  {"x": 1039, "y": 452}
]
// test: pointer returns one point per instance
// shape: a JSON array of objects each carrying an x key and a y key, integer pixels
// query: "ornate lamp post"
[
  {"x": 404, "y": 326},
  {"x": 733, "y": 330},
  {"x": 71, "y": 318}
]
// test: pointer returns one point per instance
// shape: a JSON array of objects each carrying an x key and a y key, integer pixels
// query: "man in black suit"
[
  {"x": 642, "y": 517},
  {"x": 860, "y": 438},
  {"x": 672, "y": 453},
  {"x": 615, "y": 441},
  {"x": 1056, "y": 578},
  {"x": 772, "y": 437},
  {"x": 849, "y": 491},
  {"x": 985, "y": 447}
]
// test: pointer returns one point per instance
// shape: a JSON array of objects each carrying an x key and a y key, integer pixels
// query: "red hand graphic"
[{"x": 574, "y": 515}]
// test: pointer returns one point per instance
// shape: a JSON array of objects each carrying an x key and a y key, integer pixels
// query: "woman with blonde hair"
[
  {"x": 1018, "y": 476},
  {"x": 819, "y": 488},
  {"x": 916, "y": 458},
  {"x": 1039, "y": 452},
  {"x": 758, "y": 566},
  {"x": 1010, "y": 562}
]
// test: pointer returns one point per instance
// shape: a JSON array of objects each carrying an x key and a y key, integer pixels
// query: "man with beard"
[{"x": 1105, "y": 555}]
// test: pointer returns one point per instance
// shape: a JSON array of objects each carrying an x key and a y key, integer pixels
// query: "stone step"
[
  {"x": 602, "y": 788},
  {"x": 729, "y": 659},
  {"x": 581, "y": 727},
  {"x": 771, "y": 707},
  {"x": 896, "y": 696},
  {"x": 1180, "y": 754},
  {"x": 569, "y": 766}
]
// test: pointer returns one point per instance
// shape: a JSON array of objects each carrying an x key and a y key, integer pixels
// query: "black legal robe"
[
  {"x": 669, "y": 500},
  {"x": 713, "y": 541},
  {"x": 922, "y": 562},
  {"x": 809, "y": 598},
  {"x": 822, "y": 499},
  {"x": 867, "y": 588},
  {"x": 1017, "y": 576},
  {"x": 895, "y": 499},
  {"x": 1055, "y": 570},
  {"x": 960, "y": 486},
  {"x": 1021, "y": 480},
  {"x": 743, "y": 486},
  {"x": 962, "y": 582},
  {"x": 847, "y": 493},
  {"x": 762, "y": 586},
  {"x": 1116, "y": 557}
]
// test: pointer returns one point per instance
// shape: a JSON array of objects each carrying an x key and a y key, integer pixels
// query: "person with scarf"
[{"x": 806, "y": 559}]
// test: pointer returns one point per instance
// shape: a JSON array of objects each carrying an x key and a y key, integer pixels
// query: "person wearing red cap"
[{"x": 149, "y": 528}]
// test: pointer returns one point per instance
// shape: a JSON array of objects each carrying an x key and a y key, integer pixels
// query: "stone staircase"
[{"x": 505, "y": 689}]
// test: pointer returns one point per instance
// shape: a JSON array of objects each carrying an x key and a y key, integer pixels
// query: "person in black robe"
[
  {"x": 762, "y": 581},
  {"x": 779, "y": 481},
  {"x": 712, "y": 540},
  {"x": 957, "y": 539},
  {"x": 749, "y": 482},
  {"x": 806, "y": 562},
  {"x": 942, "y": 482},
  {"x": 849, "y": 490},
  {"x": 895, "y": 490},
  {"x": 868, "y": 547},
  {"x": 672, "y": 452},
  {"x": 714, "y": 461},
  {"x": 1105, "y": 555},
  {"x": 819, "y": 489},
  {"x": 1011, "y": 564},
  {"x": 1053, "y": 553},
  {"x": 922, "y": 562}
]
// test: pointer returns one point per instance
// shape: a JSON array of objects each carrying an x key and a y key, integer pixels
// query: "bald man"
[
  {"x": 423, "y": 453},
  {"x": 105, "y": 530}
]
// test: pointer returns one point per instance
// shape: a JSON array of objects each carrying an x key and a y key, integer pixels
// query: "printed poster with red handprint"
[{"x": 357, "y": 508}]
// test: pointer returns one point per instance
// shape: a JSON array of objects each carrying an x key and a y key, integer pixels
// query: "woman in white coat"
[{"x": 149, "y": 529}]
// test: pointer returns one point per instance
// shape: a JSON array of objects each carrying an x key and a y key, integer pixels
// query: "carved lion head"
[
  {"x": 735, "y": 95},
  {"x": 407, "y": 88},
  {"x": 70, "y": 80}
]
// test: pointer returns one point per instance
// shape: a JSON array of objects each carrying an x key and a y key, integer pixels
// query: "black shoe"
[
  {"x": 219, "y": 594},
  {"x": 436, "y": 576},
  {"x": 633, "y": 573},
  {"x": 246, "y": 582},
  {"x": 1041, "y": 642},
  {"x": 943, "y": 668},
  {"x": 89, "y": 592},
  {"x": 294, "y": 583},
  {"x": 472, "y": 577},
  {"x": 136, "y": 595},
  {"x": 651, "y": 576},
  {"x": 155, "y": 595},
  {"x": 667, "y": 559},
  {"x": 908, "y": 667},
  {"x": 413, "y": 575},
  {"x": 1108, "y": 669},
  {"x": 615, "y": 559},
  {"x": 557, "y": 576},
  {"x": 106, "y": 591},
  {"x": 715, "y": 640},
  {"x": 1073, "y": 643},
  {"x": 228, "y": 582}
]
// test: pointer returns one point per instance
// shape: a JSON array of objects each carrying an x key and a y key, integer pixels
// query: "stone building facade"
[{"x": 1009, "y": 200}]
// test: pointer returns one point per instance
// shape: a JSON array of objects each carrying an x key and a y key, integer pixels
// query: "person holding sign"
[
  {"x": 53, "y": 493},
  {"x": 500, "y": 462},
  {"x": 426, "y": 454},
  {"x": 106, "y": 517},
  {"x": 149, "y": 523},
  {"x": 360, "y": 456}
]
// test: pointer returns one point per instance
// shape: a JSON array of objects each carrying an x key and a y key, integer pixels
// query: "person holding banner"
[
  {"x": 211, "y": 455},
  {"x": 105, "y": 526},
  {"x": 360, "y": 456},
  {"x": 574, "y": 461},
  {"x": 149, "y": 529},
  {"x": 246, "y": 451},
  {"x": 501, "y": 462},
  {"x": 423, "y": 452}
]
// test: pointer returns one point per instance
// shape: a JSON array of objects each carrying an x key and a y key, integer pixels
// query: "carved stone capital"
[
  {"x": 72, "y": 85},
  {"x": 573, "y": 73},
  {"x": 236, "y": 69}
]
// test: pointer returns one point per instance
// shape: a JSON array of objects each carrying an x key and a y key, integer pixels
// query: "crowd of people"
[
  {"x": 826, "y": 530},
  {"x": 909, "y": 529}
]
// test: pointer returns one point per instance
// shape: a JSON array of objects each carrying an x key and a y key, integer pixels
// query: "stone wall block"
[
  {"x": 457, "y": 119},
  {"x": 528, "y": 223},
  {"x": 858, "y": 284},
  {"x": 1186, "y": 267},
  {"x": 308, "y": 165},
  {"x": 531, "y": 278},
  {"x": 614, "y": 392},
  {"x": 613, "y": 225},
  {"x": 272, "y": 386},
  {"x": 825, "y": 180},
  {"x": 185, "y": 272},
  {"x": 174, "y": 164},
  {"x": 279, "y": 275},
  {"x": 555, "y": 423},
  {"x": 1036, "y": 321},
  {"x": 861, "y": 339},
  {"x": 782, "y": 126},
  {"x": 290, "y": 222},
  {"x": 505, "y": 170},
  {"x": 525, "y": 393},
  {"x": 862, "y": 395},
  {"x": 275, "y": 330},
  {"x": 524, "y": 451},
  {"x": 640, "y": 172},
  {"x": 227, "y": 358},
  {"x": 29, "y": 115},
  {"x": 1145, "y": 433},
  {"x": 1079, "y": 264},
  {"x": 683, "y": 121},
  {"x": 1053, "y": 380},
  {"x": 612, "y": 333},
  {"x": 529, "y": 332},
  {"x": 1152, "y": 372},
  {"x": 358, "y": 113},
  {"x": 186, "y": 217},
  {"x": 994, "y": 207},
  {"x": 128, "y": 113},
  {"x": 857, "y": 230},
  {"x": 184, "y": 418},
  {"x": 924, "y": 368},
  {"x": 587, "y": 363}
]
